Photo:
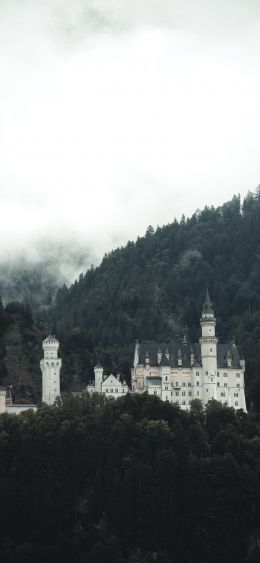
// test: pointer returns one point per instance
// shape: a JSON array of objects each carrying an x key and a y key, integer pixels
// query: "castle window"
[
  {"x": 206, "y": 373},
  {"x": 235, "y": 394},
  {"x": 177, "y": 384},
  {"x": 238, "y": 384},
  {"x": 189, "y": 393},
  {"x": 183, "y": 393},
  {"x": 218, "y": 373},
  {"x": 225, "y": 374},
  {"x": 166, "y": 387},
  {"x": 237, "y": 374},
  {"x": 116, "y": 390},
  {"x": 166, "y": 378},
  {"x": 236, "y": 403},
  {"x": 123, "y": 390},
  {"x": 189, "y": 384},
  {"x": 155, "y": 392},
  {"x": 222, "y": 394},
  {"x": 177, "y": 393},
  {"x": 197, "y": 372},
  {"x": 183, "y": 384},
  {"x": 183, "y": 402},
  {"x": 225, "y": 384},
  {"x": 198, "y": 383},
  {"x": 210, "y": 349},
  {"x": 218, "y": 384},
  {"x": 198, "y": 393}
]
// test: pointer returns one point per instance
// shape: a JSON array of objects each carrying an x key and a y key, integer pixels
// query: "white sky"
[{"x": 117, "y": 114}]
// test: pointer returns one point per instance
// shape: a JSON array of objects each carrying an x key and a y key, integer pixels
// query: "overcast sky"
[{"x": 117, "y": 114}]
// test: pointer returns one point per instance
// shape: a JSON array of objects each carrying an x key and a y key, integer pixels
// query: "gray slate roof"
[
  {"x": 207, "y": 307},
  {"x": 175, "y": 350}
]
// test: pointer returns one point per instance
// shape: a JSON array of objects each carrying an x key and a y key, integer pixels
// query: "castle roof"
[
  {"x": 174, "y": 350},
  {"x": 207, "y": 307},
  {"x": 51, "y": 338},
  {"x": 177, "y": 351},
  {"x": 165, "y": 361}
]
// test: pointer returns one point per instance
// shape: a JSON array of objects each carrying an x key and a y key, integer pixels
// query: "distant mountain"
[{"x": 150, "y": 289}]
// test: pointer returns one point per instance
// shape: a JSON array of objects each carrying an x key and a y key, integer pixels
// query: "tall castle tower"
[
  {"x": 50, "y": 367},
  {"x": 208, "y": 342}
]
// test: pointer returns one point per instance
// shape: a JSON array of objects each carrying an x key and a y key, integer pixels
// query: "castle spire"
[
  {"x": 185, "y": 335},
  {"x": 207, "y": 307}
]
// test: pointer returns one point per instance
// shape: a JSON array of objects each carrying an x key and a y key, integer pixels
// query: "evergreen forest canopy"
[
  {"x": 132, "y": 480},
  {"x": 148, "y": 290},
  {"x": 151, "y": 289}
]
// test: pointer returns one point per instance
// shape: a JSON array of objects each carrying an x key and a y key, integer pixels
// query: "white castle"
[
  {"x": 174, "y": 372},
  {"x": 109, "y": 385},
  {"x": 50, "y": 368},
  {"x": 181, "y": 372}
]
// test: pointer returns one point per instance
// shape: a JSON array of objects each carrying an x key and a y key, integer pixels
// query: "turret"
[
  {"x": 50, "y": 367},
  {"x": 136, "y": 356},
  {"x": 208, "y": 321},
  {"x": 98, "y": 370},
  {"x": 208, "y": 343},
  {"x": 179, "y": 358},
  {"x": 159, "y": 356}
]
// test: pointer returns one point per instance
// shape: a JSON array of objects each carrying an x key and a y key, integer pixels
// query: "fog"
[{"x": 115, "y": 115}]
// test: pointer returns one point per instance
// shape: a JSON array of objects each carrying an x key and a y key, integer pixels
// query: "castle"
[
  {"x": 110, "y": 385},
  {"x": 50, "y": 368},
  {"x": 181, "y": 372},
  {"x": 174, "y": 372}
]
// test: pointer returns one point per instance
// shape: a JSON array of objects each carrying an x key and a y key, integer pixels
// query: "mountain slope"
[{"x": 152, "y": 288}]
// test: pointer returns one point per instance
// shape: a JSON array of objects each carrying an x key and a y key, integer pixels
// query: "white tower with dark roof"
[
  {"x": 50, "y": 367},
  {"x": 208, "y": 343}
]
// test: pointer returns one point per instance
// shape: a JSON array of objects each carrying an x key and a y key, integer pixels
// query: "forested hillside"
[
  {"x": 148, "y": 290},
  {"x": 20, "y": 352},
  {"x": 129, "y": 481},
  {"x": 153, "y": 287}
]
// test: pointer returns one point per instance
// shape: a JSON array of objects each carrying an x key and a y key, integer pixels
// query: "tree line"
[{"x": 131, "y": 480}]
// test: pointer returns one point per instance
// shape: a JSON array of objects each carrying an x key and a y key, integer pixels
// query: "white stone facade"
[
  {"x": 179, "y": 373},
  {"x": 50, "y": 367},
  {"x": 110, "y": 385}
]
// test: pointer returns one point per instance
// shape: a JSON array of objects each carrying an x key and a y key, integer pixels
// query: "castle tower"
[
  {"x": 50, "y": 367},
  {"x": 98, "y": 371},
  {"x": 208, "y": 343}
]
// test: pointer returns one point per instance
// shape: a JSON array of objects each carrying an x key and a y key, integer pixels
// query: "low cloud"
[{"x": 116, "y": 115}]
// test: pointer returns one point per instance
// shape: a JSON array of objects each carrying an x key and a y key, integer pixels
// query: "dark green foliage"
[
  {"x": 20, "y": 352},
  {"x": 149, "y": 290},
  {"x": 129, "y": 481}
]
